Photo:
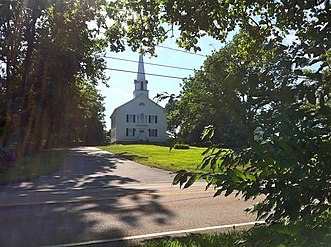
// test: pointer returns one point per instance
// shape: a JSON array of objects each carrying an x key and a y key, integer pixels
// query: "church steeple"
[{"x": 141, "y": 83}]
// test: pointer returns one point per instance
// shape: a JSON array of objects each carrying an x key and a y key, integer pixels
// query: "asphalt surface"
[{"x": 100, "y": 199}]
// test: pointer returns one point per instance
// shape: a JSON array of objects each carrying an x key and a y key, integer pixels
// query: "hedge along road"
[{"x": 97, "y": 197}]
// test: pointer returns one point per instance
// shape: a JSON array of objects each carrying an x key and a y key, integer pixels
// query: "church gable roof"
[
  {"x": 140, "y": 92},
  {"x": 136, "y": 101}
]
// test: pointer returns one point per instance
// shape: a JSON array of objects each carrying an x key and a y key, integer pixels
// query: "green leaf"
[
  {"x": 183, "y": 179},
  {"x": 213, "y": 163},
  {"x": 205, "y": 162},
  {"x": 229, "y": 191},
  {"x": 232, "y": 175},
  {"x": 191, "y": 181},
  {"x": 208, "y": 133},
  {"x": 218, "y": 192},
  {"x": 239, "y": 174},
  {"x": 209, "y": 184},
  {"x": 250, "y": 177},
  {"x": 178, "y": 177},
  {"x": 207, "y": 150}
]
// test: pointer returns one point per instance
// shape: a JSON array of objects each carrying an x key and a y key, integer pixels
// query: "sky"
[{"x": 121, "y": 84}]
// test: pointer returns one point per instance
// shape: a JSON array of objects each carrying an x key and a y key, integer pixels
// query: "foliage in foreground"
[
  {"x": 281, "y": 88},
  {"x": 280, "y": 235},
  {"x": 288, "y": 129},
  {"x": 32, "y": 166}
]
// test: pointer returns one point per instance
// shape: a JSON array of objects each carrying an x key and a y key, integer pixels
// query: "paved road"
[{"x": 99, "y": 196}]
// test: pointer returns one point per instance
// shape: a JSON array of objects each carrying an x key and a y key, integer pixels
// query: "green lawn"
[
  {"x": 32, "y": 166},
  {"x": 275, "y": 235},
  {"x": 196, "y": 240},
  {"x": 159, "y": 156}
]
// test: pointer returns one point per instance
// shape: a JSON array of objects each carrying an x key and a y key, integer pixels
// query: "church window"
[
  {"x": 152, "y": 132},
  {"x": 141, "y": 85},
  {"x": 130, "y": 132},
  {"x": 142, "y": 104},
  {"x": 141, "y": 118},
  {"x": 130, "y": 118},
  {"x": 152, "y": 119}
]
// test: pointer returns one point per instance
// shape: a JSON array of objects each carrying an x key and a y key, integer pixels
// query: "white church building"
[{"x": 140, "y": 120}]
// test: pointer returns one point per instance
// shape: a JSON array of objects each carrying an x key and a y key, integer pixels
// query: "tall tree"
[
  {"x": 210, "y": 98},
  {"x": 49, "y": 57}
]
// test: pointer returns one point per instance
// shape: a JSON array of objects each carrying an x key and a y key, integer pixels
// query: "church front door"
[{"x": 142, "y": 135}]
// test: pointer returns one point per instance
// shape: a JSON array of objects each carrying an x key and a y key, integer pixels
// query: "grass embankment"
[
  {"x": 32, "y": 166},
  {"x": 159, "y": 156},
  {"x": 277, "y": 235}
]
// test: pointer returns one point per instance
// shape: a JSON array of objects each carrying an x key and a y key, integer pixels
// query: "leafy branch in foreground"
[{"x": 287, "y": 121}]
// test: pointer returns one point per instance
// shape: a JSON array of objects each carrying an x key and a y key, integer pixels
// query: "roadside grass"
[
  {"x": 159, "y": 156},
  {"x": 32, "y": 166},
  {"x": 196, "y": 240},
  {"x": 276, "y": 235}
]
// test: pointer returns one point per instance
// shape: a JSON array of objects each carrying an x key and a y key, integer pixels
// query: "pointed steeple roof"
[
  {"x": 141, "y": 69},
  {"x": 140, "y": 87}
]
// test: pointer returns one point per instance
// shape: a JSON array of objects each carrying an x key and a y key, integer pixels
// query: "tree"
[
  {"x": 172, "y": 115},
  {"x": 287, "y": 102},
  {"x": 208, "y": 98},
  {"x": 50, "y": 65}
]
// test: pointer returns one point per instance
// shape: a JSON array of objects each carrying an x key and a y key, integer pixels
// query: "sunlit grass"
[
  {"x": 160, "y": 156},
  {"x": 274, "y": 235},
  {"x": 32, "y": 166},
  {"x": 215, "y": 240}
]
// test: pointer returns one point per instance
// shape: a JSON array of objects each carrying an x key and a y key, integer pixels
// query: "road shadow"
[{"x": 85, "y": 200}]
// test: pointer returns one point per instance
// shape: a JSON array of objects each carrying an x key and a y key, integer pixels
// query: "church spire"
[
  {"x": 141, "y": 83},
  {"x": 141, "y": 69}
]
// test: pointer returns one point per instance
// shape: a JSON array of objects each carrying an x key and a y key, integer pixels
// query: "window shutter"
[
  {"x": 155, "y": 118},
  {"x": 134, "y": 118},
  {"x": 149, "y": 118},
  {"x": 126, "y": 131},
  {"x": 127, "y": 118}
]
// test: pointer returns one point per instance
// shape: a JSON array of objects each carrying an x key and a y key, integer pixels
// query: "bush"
[{"x": 181, "y": 146}]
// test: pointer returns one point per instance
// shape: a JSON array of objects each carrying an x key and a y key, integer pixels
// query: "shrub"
[{"x": 181, "y": 146}]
